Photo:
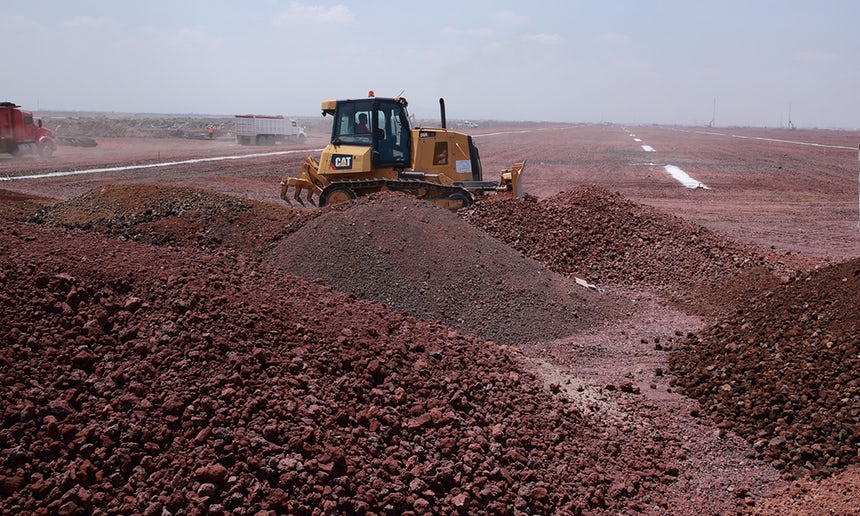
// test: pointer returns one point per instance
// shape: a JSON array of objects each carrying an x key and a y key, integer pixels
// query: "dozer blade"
[
  {"x": 516, "y": 177},
  {"x": 510, "y": 179}
]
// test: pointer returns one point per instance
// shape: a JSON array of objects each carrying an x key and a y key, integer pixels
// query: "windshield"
[{"x": 353, "y": 123}]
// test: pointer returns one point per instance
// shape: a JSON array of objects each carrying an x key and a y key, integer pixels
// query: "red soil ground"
[{"x": 176, "y": 338}]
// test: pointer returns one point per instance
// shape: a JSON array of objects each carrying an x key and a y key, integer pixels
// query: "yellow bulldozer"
[{"x": 374, "y": 148}]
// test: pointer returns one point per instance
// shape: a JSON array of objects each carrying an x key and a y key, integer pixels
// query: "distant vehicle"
[
  {"x": 20, "y": 134},
  {"x": 467, "y": 123},
  {"x": 267, "y": 130}
]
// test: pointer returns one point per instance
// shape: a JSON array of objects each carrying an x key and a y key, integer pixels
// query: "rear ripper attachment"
[{"x": 374, "y": 148}]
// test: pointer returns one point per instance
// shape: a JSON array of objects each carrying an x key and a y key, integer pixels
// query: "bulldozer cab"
[{"x": 381, "y": 124}]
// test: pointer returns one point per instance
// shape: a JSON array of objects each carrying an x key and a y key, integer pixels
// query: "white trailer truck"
[{"x": 267, "y": 130}]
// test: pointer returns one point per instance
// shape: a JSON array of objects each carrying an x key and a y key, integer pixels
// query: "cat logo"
[{"x": 341, "y": 162}]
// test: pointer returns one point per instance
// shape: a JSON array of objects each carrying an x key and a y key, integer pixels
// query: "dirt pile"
[
  {"x": 145, "y": 379},
  {"x": 839, "y": 494},
  {"x": 784, "y": 371},
  {"x": 390, "y": 248},
  {"x": 142, "y": 126},
  {"x": 598, "y": 235},
  {"x": 427, "y": 262},
  {"x": 176, "y": 216},
  {"x": 78, "y": 126},
  {"x": 20, "y": 207}
]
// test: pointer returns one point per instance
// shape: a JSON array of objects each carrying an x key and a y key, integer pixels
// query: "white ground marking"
[
  {"x": 152, "y": 165},
  {"x": 648, "y": 148},
  {"x": 504, "y": 132},
  {"x": 775, "y": 140},
  {"x": 522, "y": 131},
  {"x": 637, "y": 140},
  {"x": 683, "y": 178}
]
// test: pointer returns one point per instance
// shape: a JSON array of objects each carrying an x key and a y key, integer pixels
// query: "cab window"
[
  {"x": 353, "y": 125},
  {"x": 392, "y": 135}
]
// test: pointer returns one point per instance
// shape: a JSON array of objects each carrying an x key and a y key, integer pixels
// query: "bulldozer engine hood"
[{"x": 346, "y": 159}]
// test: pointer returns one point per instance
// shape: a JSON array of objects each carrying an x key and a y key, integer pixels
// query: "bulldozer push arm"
[{"x": 509, "y": 181}]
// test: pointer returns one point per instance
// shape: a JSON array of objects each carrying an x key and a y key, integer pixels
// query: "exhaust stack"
[{"x": 442, "y": 111}]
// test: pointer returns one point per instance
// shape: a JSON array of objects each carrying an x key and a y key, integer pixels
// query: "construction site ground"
[{"x": 178, "y": 340}]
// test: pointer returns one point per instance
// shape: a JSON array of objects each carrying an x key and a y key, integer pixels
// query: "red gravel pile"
[
  {"x": 427, "y": 262},
  {"x": 839, "y": 494},
  {"x": 144, "y": 379},
  {"x": 176, "y": 216},
  {"x": 598, "y": 235},
  {"x": 391, "y": 248},
  {"x": 17, "y": 206},
  {"x": 784, "y": 371}
]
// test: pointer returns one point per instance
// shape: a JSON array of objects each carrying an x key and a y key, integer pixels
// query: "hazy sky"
[{"x": 625, "y": 61}]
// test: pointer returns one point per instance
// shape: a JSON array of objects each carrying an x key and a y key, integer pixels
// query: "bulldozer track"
[{"x": 433, "y": 191}]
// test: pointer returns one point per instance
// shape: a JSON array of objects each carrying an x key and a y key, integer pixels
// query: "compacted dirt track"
[{"x": 178, "y": 340}]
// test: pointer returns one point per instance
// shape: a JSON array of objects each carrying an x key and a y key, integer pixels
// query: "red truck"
[{"x": 19, "y": 133}]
